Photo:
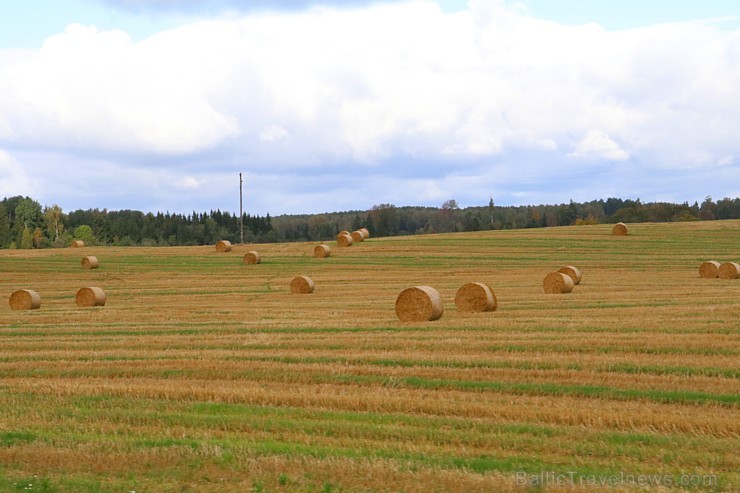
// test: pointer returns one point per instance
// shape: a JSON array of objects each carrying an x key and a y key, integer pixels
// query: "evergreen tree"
[{"x": 4, "y": 226}]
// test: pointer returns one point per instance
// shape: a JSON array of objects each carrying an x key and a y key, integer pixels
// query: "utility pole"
[{"x": 241, "y": 213}]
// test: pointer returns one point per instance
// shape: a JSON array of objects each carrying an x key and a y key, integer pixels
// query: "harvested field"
[{"x": 197, "y": 377}]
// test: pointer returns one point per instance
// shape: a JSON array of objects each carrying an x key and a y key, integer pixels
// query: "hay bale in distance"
[
  {"x": 419, "y": 304},
  {"x": 25, "y": 299},
  {"x": 729, "y": 270},
  {"x": 619, "y": 229},
  {"x": 709, "y": 269},
  {"x": 91, "y": 296},
  {"x": 90, "y": 262},
  {"x": 343, "y": 232},
  {"x": 344, "y": 240},
  {"x": 573, "y": 272},
  {"x": 223, "y": 246},
  {"x": 475, "y": 297},
  {"x": 357, "y": 236},
  {"x": 252, "y": 258},
  {"x": 77, "y": 244},
  {"x": 301, "y": 285},
  {"x": 365, "y": 232},
  {"x": 557, "y": 283},
  {"x": 321, "y": 251}
]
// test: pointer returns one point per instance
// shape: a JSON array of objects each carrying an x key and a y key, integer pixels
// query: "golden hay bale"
[
  {"x": 709, "y": 269},
  {"x": 344, "y": 240},
  {"x": 343, "y": 232},
  {"x": 619, "y": 229},
  {"x": 91, "y": 296},
  {"x": 321, "y": 251},
  {"x": 419, "y": 304},
  {"x": 557, "y": 282},
  {"x": 729, "y": 270},
  {"x": 475, "y": 297},
  {"x": 77, "y": 244},
  {"x": 573, "y": 272},
  {"x": 25, "y": 299},
  {"x": 301, "y": 285},
  {"x": 223, "y": 246},
  {"x": 365, "y": 232},
  {"x": 90, "y": 262},
  {"x": 252, "y": 258},
  {"x": 357, "y": 236}
]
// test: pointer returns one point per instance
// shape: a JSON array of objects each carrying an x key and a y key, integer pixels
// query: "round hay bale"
[
  {"x": 729, "y": 270},
  {"x": 344, "y": 240},
  {"x": 223, "y": 246},
  {"x": 365, "y": 232},
  {"x": 252, "y": 258},
  {"x": 321, "y": 251},
  {"x": 357, "y": 236},
  {"x": 709, "y": 269},
  {"x": 77, "y": 244},
  {"x": 557, "y": 283},
  {"x": 475, "y": 297},
  {"x": 343, "y": 232},
  {"x": 419, "y": 304},
  {"x": 619, "y": 229},
  {"x": 573, "y": 272},
  {"x": 25, "y": 299},
  {"x": 301, "y": 285},
  {"x": 90, "y": 262},
  {"x": 91, "y": 296}
]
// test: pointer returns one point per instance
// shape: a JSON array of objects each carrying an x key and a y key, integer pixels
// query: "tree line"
[{"x": 24, "y": 223}]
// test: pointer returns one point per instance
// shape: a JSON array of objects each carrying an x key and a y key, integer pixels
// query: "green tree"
[
  {"x": 53, "y": 217},
  {"x": 28, "y": 213},
  {"x": 26, "y": 239},
  {"x": 4, "y": 226},
  {"x": 490, "y": 210},
  {"x": 84, "y": 233},
  {"x": 385, "y": 219}
]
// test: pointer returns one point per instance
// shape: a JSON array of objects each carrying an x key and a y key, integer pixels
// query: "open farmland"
[{"x": 202, "y": 373}]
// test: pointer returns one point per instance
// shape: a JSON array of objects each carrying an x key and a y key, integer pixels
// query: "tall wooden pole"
[{"x": 241, "y": 213}]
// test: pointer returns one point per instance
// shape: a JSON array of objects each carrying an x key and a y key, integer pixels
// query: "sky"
[{"x": 159, "y": 105}]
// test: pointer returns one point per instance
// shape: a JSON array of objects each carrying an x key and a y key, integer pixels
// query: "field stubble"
[{"x": 203, "y": 372}]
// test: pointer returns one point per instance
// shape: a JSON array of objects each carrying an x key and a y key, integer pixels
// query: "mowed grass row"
[{"x": 202, "y": 372}]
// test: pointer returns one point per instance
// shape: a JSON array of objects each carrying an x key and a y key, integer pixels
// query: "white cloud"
[
  {"x": 187, "y": 183},
  {"x": 13, "y": 180},
  {"x": 596, "y": 145},
  {"x": 272, "y": 133},
  {"x": 94, "y": 90},
  {"x": 392, "y": 89}
]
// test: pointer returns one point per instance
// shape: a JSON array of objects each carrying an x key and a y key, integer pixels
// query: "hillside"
[{"x": 202, "y": 373}]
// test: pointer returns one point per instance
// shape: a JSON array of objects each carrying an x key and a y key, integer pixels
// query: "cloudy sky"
[{"x": 158, "y": 105}]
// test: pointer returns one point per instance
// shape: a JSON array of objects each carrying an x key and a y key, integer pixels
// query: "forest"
[{"x": 26, "y": 224}]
